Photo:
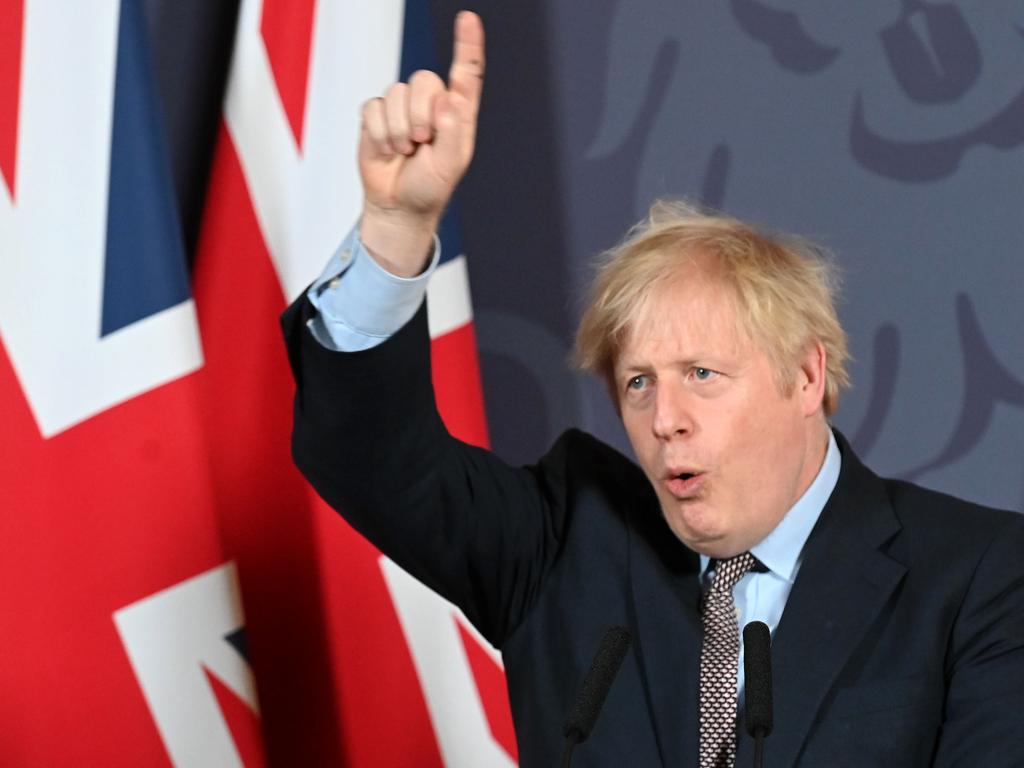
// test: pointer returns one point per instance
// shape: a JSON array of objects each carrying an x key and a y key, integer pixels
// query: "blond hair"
[{"x": 784, "y": 288}]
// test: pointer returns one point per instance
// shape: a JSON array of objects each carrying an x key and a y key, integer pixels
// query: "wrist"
[{"x": 400, "y": 242}]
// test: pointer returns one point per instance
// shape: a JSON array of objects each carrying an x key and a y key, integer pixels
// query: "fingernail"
[{"x": 420, "y": 134}]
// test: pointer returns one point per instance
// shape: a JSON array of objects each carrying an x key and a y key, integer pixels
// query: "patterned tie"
[{"x": 719, "y": 657}]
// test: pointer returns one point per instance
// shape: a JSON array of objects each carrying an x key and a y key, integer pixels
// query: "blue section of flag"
[
  {"x": 145, "y": 270},
  {"x": 420, "y": 52},
  {"x": 239, "y": 640}
]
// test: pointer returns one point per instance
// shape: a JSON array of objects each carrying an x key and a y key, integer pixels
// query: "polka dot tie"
[{"x": 719, "y": 657}]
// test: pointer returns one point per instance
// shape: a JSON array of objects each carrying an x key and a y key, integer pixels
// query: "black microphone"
[
  {"x": 595, "y": 688},
  {"x": 757, "y": 670}
]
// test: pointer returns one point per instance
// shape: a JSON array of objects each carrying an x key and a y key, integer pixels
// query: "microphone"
[
  {"x": 596, "y": 684},
  {"x": 757, "y": 670}
]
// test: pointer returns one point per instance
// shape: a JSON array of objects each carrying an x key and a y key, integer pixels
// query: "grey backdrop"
[{"x": 891, "y": 132}]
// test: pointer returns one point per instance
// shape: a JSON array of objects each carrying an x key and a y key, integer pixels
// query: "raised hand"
[{"x": 415, "y": 145}]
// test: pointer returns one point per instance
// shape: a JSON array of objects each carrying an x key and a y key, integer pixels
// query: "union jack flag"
[{"x": 146, "y": 483}]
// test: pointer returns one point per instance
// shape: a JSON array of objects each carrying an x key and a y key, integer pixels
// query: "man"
[{"x": 897, "y": 613}]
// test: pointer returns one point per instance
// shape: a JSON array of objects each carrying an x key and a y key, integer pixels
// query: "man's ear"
[{"x": 811, "y": 378}]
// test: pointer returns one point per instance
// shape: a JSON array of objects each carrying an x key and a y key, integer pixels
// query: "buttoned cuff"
[{"x": 359, "y": 303}]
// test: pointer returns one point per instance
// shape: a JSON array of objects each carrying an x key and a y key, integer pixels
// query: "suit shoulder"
[
  {"x": 583, "y": 452},
  {"x": 942, "y": 515},
  {"x": 582, "y": 462}
]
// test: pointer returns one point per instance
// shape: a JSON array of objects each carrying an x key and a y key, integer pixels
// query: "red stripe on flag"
[
  {"x": 287, "y": 31},
  {"x": 262, "y": 501},
  {"x": 490, "y": 682},
  {"x": 383, "y": 717},
  {"x": 457, "y": 385},
  {"x": 93, "y": 519},
  {"x": 13, "y": 14}
]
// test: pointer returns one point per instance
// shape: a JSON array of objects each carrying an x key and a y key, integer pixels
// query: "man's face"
[{"x": 727, "y": 453}]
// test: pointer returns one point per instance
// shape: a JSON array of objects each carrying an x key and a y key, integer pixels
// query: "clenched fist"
[{"x": 416, "y": 143}]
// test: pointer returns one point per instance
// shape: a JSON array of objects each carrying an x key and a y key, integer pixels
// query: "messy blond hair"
[{"x": 784, "y": 288}]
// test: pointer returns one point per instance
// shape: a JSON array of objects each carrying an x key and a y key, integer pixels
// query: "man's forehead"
[{"x": 692, "y": 315}]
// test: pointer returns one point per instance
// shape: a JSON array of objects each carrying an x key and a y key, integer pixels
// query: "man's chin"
[{"x": 704, "y": 540}]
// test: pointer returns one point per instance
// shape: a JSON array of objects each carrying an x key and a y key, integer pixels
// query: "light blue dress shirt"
[
  {"x": 370, "y": 304},
  {"x": 762, "y": 596}
]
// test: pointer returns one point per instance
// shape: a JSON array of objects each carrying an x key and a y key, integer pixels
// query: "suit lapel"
[
  {"x": 666, "y": 600},
  {"x": 843, "y": 584}
]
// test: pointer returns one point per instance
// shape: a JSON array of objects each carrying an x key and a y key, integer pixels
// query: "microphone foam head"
[
  {"x": 596, "y": 684},
  {"x": 757, "y": 670}
]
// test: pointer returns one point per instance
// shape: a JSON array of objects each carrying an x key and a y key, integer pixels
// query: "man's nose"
[{"x": 673, "y": 412}]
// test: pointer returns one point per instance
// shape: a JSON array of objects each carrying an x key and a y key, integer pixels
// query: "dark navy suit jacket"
[{"x": 901, "y": 644}]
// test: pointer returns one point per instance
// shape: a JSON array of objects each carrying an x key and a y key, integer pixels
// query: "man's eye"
[
  {"x": 703, "y": 374},
  {"x": 637, "y": 382}
]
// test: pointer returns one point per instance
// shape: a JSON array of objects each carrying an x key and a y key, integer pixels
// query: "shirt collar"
[{"x": 781, "y": 551}]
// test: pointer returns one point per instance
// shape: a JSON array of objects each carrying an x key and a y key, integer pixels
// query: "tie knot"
[{"x": 729, "y": 571}]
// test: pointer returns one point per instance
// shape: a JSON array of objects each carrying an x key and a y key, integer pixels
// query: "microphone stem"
[
  {"x": 567, "y": 753},
  {"x": 759, "y": 748}
]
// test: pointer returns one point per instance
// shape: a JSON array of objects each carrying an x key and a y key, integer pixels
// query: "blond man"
[{"x": 897, "y": 614}]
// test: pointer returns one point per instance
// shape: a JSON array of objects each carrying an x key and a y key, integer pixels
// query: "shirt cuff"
[{"x": 360, "y": 304}]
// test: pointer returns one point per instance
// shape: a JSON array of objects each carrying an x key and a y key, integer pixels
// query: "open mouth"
[{"x": 685, "y": 485}]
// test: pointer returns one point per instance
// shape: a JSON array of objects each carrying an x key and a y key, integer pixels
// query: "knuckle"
[
  {"x": 370, "y": 106},
  {"x": 424, "y": 77},
  {"x": 397, "y": 91}
]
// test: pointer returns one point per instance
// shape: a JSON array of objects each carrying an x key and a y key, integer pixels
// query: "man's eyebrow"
[
  {"x": 631, "y": 366},
  {"x": 640, "y": 366}
]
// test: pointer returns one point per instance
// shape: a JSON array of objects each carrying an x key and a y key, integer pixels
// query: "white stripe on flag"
[
  {"x": 53, "y": 235},
  {"x": 448, "y": 303}
]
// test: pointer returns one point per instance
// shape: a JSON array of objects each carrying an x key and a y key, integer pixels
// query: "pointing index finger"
[{"x": 466, "y": 75}]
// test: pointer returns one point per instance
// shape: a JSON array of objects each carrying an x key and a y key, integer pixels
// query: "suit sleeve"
[
  {"x": 368, "y": 436},
  {"x": 985, "y": 669}
]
